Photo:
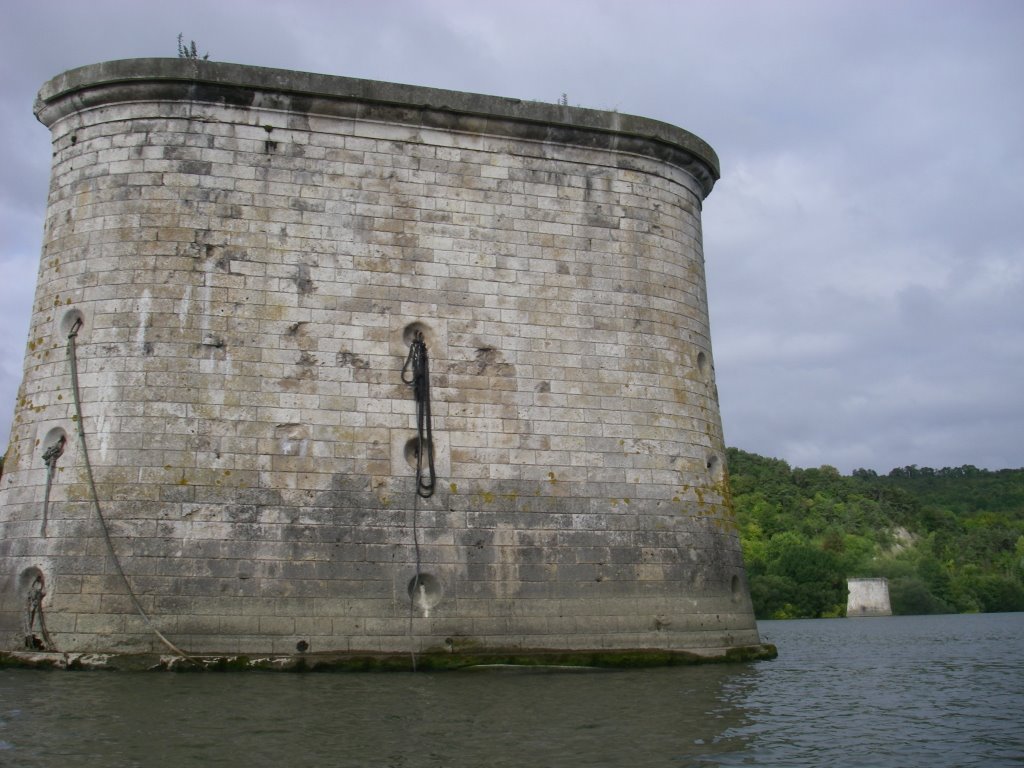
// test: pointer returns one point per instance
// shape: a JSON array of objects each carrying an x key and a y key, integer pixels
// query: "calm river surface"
[{"x": 911, "y": 691}]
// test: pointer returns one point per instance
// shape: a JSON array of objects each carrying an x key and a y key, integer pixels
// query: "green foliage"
[
  {"x": 189, "y": 51},
  {"x": 948, "y": 540},
  {"x": 911, "y": 595}
]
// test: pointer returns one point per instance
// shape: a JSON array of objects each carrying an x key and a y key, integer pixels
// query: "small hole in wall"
[
  {"x": 702, "y": 363},
  {"x": 71, "y": 318},
  {"x": 734, "y": 587},
  {"x": 412, "y": 451},
  {"x": 32, "y": 586},
  {"x": 302, "y": 646},
  {"x": 53, "y": 438},
  {"x": 410, "y": 331},
  {"x": 714, "y": 466},
  {"x": 425, "y": 591},
  {"x": 29, "y": 577}
]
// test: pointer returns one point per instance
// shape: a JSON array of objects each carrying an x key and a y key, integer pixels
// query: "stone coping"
[
  {"x": 238, "y": 85},
  {"x": 433, "y": 661}
]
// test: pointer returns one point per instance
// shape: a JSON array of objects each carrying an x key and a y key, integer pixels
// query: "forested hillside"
[{"x": 948, "y": 540}]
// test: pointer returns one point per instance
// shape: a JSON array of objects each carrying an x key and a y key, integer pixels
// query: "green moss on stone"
[{"x": 432, "y": 661}]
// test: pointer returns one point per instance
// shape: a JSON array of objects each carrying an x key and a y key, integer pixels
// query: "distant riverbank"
[{"x": 948, "y": 540}]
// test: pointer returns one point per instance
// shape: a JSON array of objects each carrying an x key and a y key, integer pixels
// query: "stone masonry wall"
[
  {"x": 868, "y": 597},
  {"x": 249, "y": 255}
]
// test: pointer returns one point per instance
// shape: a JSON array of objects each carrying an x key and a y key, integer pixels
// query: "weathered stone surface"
[
  {"x": 868, "y": 597},
  {"x": 248, "y": 251}
]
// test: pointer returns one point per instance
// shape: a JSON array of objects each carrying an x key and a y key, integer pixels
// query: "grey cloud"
[{"x": 864, "y": 247}]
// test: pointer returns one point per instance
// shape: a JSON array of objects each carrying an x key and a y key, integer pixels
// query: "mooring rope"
[
  {"x": 50, "y": 456},
  {"x": 73, "y": 361},
  {"x": 416, "y": 373},
  {"x": 34, "y": 612},
  {"x": 417, "y": 366},
  {"x": 416, "y": 580}
]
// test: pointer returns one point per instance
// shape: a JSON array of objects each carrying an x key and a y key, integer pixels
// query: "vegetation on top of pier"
[{"x": 949, "y": 540}]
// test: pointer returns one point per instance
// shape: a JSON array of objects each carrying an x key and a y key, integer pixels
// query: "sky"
[{"x": 864, "y": 246}]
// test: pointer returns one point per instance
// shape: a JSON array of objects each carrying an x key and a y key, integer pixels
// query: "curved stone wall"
[{"x": 247, "y": 253}]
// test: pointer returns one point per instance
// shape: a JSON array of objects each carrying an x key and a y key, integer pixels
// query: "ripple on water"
[{"x": 923, "y": 691}]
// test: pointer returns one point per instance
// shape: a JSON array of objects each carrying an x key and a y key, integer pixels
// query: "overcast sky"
[{"x": 865, "y": 245}]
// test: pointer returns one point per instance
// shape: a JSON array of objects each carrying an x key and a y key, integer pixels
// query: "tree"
[
  {"x": 949, "y": 539},
  {"x": 189, "y": 51}
]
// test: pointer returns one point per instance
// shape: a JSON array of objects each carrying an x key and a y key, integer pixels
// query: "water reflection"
[
  {"x": 636, "y": 718},
  {"x": 922, "y": 691}
]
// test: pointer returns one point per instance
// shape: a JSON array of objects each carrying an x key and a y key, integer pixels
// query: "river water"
[{"x": 907, "y": 691}]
